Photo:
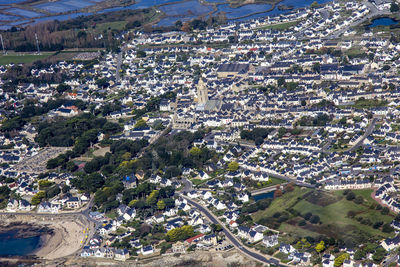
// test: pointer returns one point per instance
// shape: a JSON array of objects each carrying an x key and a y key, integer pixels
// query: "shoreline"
[{"x": 58, "y": 238}]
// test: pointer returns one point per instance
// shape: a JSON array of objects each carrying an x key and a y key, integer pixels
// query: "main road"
[{"x": 235, "y": 242}]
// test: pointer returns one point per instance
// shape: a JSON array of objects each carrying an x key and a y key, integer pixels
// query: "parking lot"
[{"x": 37, "y": 163}]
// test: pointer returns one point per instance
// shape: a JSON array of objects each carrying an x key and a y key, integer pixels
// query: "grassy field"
[
  {"x": 115, "y": 25},
  {"x": 198, "y": 181},
  {"x": 275, "y": 181},
  {"x": 332, "y": 209},
  {"x": 279, "y": 204},
  {"x": 15, "y": 58},
  {"x": 280, "y": 26}
]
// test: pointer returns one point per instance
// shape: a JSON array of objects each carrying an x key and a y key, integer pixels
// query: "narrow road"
[
  {"x": 367, "y": 133},
  {"x": 286, "y": 178},
  {"x": 235, "y": 242},
  {"x": 265, "y": 190},
  {"x": 119, "y": 62}
]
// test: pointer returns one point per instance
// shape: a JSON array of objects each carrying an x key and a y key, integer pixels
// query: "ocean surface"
[{"x": 11, "y": 246}]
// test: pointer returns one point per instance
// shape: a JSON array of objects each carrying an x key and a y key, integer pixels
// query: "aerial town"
[{"x": 275, "y": 138}]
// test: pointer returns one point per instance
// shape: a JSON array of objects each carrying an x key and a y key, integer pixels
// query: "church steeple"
[{"x": 202, "y": 92}]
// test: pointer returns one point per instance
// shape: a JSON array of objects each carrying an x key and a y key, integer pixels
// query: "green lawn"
[
  {"x": 117, "y": 25},
  {"x": 332, "y": 208},
  {"x": 280, "y": 26},
  {"x": 275, "y": 181},
  {"x": 365, "y": 193},
  {"x": 280, "y": 203},
  {"x": 196, "y": 182},
  {"x": 282, "y": 256},
  {"x": 15, "y": 58}
]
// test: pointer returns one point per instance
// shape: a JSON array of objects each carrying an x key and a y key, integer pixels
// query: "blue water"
[
  {"x": 17, "y": 246},
  {"x": 246, "y": 10},
  {"x": 8, "y": 2},
  {"x": 382, "y": 22},
  {"x": 24, "y": 13},
  {"x": 178, "y": 11},
  {"x": 62, "y": 17},
  {"x": 186, "y": 8},
  {"x": 263, "y": 196},
  {"x": 139, "y": 5},
  {"x": 64, "y": 5},
  {"x": 7, "y": 17},
  {"x": 294, "y": 3}
]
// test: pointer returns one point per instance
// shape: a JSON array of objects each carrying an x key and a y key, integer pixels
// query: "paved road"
[
  {"x": 235, "y": 242},
  {"x": 289, "y": 179},
  {"x": 373, "y": 12},
  {"x": 367, "y": 133},
  {"x": 265, "y": 189},
  {"x": 119, "y": 62},
  {"x": 188, "y": 186}
]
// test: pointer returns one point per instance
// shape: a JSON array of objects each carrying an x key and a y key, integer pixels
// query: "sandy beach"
[{"x": 65, "y": 240}]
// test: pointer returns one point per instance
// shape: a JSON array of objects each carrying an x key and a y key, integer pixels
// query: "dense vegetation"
[
  {"x": 32, "y": 109},
  {"x": 257, "y": 134},
  {"x": 320, "y": 120},
  {"x": 78, "y": 32}
]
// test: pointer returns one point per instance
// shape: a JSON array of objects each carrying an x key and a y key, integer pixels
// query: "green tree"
[
  {"x": 350, "y": 195},
  {"x": 161, "y": 205},
  {"x": 314, "y": 4},
  {"x": 195, "y": 151},
  {"x": 385, "y": 211},
  {"x": 340, "y": 259},
  {"x": 379, "y": 254},
  {"x": 359, "y": 200},
  {"x": 36, "y": 199},
  {"x": 141, "y": 54},
  {"x": 44, "y": 184},
  {"x": 320, "y": 246},
  {"x": 394, "y": 7},
  {"x": 152, "y": 198},
  {"x": 386, "y": 228},
  {"x": 359, "y": 255},
  {"x": 180, "y": 233},
  {"x": 140, "y": 124},
  {"x": 233, "y": 166}
]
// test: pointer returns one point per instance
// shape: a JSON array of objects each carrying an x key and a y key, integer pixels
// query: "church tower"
[{"x": 202, "y": 92}]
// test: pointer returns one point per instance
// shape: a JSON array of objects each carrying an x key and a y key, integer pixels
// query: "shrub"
[
  {"x": 377, "y": 225},
  {"x": 351, "y": 214},
  {"x": 314, "y": 219},
  {"x": 277, "y": 215},
  {"x": 350, "y": 195},
  {"x": 359, "y": 200},
  {"x": 307, "y": 216},
  {"x": 345, "y": 192},
  {"x": 302, "y": 223},
  {"x": 387, "y": 228},
  {"x": 385, "y": 211}
]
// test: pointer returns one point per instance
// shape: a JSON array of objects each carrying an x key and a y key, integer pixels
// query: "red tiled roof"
[{"x": 190, "y": 240}]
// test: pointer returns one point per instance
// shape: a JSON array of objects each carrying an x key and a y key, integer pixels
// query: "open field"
[
  {"x": 280, "y": 26},
  {"x": 15, "y": 58},
  {"x": 107, "y": 26},
  {"x": 332, "y": 208},
  {"x": 279, "y": 204}
]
